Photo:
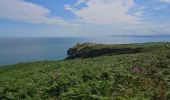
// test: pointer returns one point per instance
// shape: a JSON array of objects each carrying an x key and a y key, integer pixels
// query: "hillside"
[{"x": 127, "y": 72}]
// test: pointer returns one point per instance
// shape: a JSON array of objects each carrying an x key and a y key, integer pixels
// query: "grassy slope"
[{"x": 100, "y": 78}]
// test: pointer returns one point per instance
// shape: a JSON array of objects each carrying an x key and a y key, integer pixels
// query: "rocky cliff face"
[{"x": 87, "y": 50}]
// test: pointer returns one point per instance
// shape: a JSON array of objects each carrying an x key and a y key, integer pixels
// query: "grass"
[{"x": 111, "y": 77}]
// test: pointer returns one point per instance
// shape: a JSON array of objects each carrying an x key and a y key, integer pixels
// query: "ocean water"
[{"x": 19, "y": 50}]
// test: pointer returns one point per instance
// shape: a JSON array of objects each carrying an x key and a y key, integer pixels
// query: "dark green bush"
[{"x": 168, "y": 55}]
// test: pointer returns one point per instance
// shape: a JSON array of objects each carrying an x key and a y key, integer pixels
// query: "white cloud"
[
  {"x": 20, "y": 10},
  {"x": 165, "y": 28},
  {"x": 159, "y": 7},
  {"x": 80, "y": 2},
  {"x": 139, "y": 13},
  {"x": 165, "y": 1},
  {"x": 105, "y": 11}
]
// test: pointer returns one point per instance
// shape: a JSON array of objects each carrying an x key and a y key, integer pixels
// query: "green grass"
[{"x": 98, "y": 78}]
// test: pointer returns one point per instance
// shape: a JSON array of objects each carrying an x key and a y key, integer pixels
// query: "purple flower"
[{"x": 136, "y": 70}]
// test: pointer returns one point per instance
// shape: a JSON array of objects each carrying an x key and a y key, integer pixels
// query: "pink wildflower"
[{"x": 136, "y": 70}]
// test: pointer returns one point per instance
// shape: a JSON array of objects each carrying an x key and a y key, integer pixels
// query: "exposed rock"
[{"x": 87, "y": 50}]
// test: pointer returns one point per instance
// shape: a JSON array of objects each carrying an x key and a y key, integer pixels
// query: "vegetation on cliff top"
[{"x": 130, "y": 76}]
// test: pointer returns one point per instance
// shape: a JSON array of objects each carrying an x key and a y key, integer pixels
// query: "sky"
[{"x": 81, "y": 18}]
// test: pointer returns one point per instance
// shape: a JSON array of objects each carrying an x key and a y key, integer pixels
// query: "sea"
[{"x": 21, "y": 50}]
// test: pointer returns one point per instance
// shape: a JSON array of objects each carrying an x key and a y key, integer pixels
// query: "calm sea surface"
[{"x": 17, "y": 50}]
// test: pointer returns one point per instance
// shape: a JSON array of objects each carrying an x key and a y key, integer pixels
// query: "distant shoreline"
[{"x": 150, "y": 36}]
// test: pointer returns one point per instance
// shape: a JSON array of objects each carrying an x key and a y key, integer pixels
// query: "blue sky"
[{"x": 70, "y": 18}]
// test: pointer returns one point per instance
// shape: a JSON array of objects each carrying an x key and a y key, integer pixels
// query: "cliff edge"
[{"x": 87, "y": 50}]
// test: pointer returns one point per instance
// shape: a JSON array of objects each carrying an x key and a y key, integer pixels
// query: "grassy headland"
[{"x": 93, "y": 72}]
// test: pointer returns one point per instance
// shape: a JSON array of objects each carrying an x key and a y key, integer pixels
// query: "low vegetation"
[{"x": 143, "y": 75}]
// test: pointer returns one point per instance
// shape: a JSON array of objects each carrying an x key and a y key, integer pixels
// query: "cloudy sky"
[{"x": 52, "y": 18}]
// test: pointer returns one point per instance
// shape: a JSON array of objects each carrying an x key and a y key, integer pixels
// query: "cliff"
[{"x": 87, "y": 50}]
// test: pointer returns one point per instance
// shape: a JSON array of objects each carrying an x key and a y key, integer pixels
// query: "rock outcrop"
[{"x": 87, "y": 50}]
